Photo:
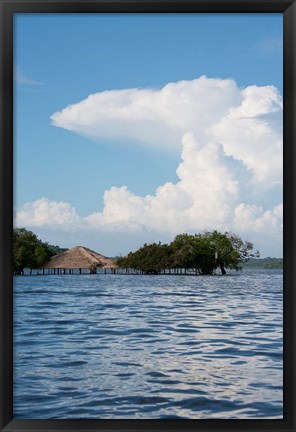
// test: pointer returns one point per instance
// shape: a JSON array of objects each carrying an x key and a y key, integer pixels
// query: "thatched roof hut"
[{"x": 79, "y": 257}]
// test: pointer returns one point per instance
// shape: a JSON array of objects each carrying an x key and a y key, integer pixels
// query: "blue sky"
[{"x": 61, "y": 59}]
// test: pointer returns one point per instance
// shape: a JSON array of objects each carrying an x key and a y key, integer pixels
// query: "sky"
[{"x": 133, "y": 128}]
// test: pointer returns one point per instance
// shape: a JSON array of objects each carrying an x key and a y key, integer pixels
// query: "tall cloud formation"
[
  {"x": 230, "y": 172},
  {"x": 157, "y": 117}
]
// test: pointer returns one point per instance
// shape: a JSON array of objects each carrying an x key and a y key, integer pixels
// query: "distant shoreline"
[{"x": 265, "y": 263}]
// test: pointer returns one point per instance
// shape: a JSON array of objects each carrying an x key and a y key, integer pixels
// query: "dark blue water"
[{"x": 131, "y": 346}]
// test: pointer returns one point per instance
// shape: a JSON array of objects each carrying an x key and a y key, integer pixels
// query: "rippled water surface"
[{"x": 131, "y": 346}]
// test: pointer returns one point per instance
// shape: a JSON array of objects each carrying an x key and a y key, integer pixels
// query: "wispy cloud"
[
  {"x": 20, "y": 78},
  {"x": 270, "y": 47}
]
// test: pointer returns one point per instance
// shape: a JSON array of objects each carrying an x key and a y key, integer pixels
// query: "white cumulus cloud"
[
  {"x": 155, "y": 116},
  {"x": 203, "y": 196},
  {"x": 252, "y": 132},
  {"x": 44, "y": 212},
  {"x": 230, "y": 171}
]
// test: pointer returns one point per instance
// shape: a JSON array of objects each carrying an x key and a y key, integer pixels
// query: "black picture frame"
[{"x": 7, "y": 9}]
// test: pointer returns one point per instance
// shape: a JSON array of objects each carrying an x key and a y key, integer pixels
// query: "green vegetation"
[
  {"x": 265, "y": 263},
  {"x": 29, "y": 251},
  {"x": 199, "y": 253}
]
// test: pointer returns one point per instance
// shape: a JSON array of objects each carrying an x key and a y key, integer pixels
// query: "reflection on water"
[{"x": 131, "y": 346}]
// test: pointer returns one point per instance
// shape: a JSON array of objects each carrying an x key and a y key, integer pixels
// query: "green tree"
[
  {"x": 230, "y": 250},
  {"x": 202, "y": 253},
  {"x": 193, "y": 252},
  {"x": 182, "y": 248},
  {"x": 54, "y": 249},
  {"x": 151, "y": 258},
  {"x": 29, "y": 251}
]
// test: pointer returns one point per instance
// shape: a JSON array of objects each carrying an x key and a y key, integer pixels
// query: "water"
[{"x": 147, "y": 347}]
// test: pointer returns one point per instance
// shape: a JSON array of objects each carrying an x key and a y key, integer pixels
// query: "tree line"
[
  {"x": 29, "y": 251},
  {"x": 201, "y": 253},
  {"x": 266, "y": 263}
]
